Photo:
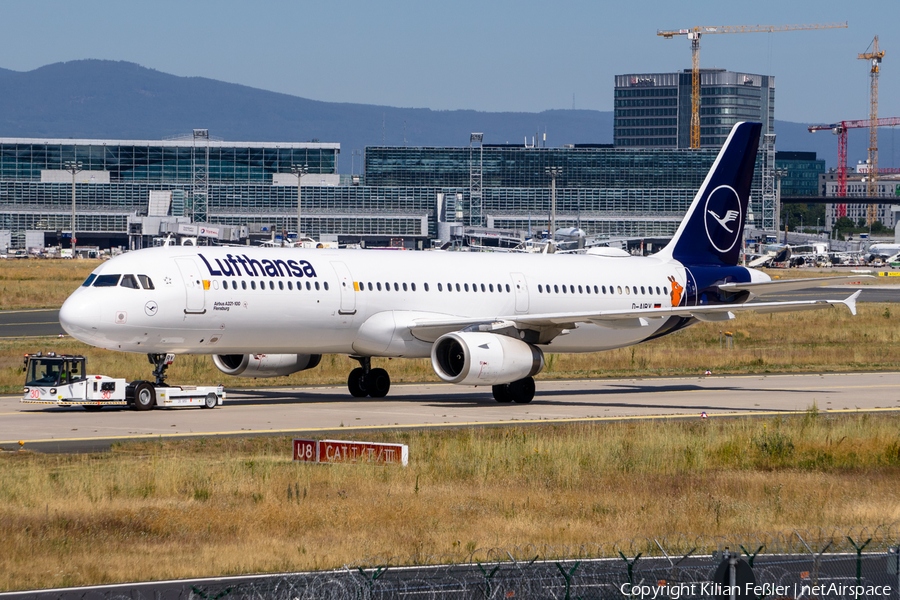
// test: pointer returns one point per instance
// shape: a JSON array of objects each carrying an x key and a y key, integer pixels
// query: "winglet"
[{"x": 851, "y": 302}]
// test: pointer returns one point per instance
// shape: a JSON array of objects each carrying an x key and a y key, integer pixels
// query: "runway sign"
[{"x": 336, "y": 451}]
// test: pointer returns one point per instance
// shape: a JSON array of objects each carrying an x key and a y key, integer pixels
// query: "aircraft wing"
[
  {"x": 788, "y": 285},
  {"x": 429, "y": 330}
]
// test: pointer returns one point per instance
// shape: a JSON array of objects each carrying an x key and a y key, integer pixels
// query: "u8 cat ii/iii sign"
[{"x": 335, "y": 451}]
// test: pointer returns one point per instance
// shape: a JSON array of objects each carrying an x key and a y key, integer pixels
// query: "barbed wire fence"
[{"x": 822, "y": 563}]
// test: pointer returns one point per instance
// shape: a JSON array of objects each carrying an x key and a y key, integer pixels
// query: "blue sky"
[{"x": 483, "y": 55}]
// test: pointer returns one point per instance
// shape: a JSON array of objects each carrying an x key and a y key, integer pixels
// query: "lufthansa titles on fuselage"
[{"x": 231, "y": 267}]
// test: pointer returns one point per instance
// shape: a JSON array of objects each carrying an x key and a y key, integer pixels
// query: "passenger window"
[
  {"x": 540, "y": 289},
  {"x": 224, "y": 284},
  {"x": 572, "y": 288},
  {"x": 243, "y": 285},
  {"x": 317, "y": 285},
  {"x": 128, "y": 281},
  {"x": 253, "y": 285},
  {"x": 370, "y": 286},
  {"x": 426, "y": 286},
  {"x": 326, "y": 286},
  {"x": 482, "y": 287},
  {"x": 290, "y": 285},
  {"x": 642, "y": 289},
  {"x": 604, "y": 289},
  {"x": 635, "y": 290},
  {"x": 507, "y": 287},
  {"x": 466, "y": 286},
  {"x": 556, "y": 288},
  {"x": 404, "y": 287},
  {"x": 457, "y": 287},
  {"x": 564, "y": 289},
  {"x": 491, "y": 286},
  {"x": 396, "y": 287},
  {"x": 414, "y": 286},
  {"x": 657, "y": 291},
  {"x": 89, "y": 280},
  {"x": 146, "y": 282},
  {"x": 378, "y": 285},
  {"x": 619, "y": 288},
  {"x": 106, "y": 281},
  {"x": 440, "y": 287},
  {"x": 596, "y": 291},
  {"x": 587, "y": 288},
  {"x": 280, "y": 285},
  {"x": 665, "y": 291},
  {"x": 271, "y": 285}
]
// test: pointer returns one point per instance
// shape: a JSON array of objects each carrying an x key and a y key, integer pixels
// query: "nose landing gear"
[
  {"x": 161, "y": 362},
  {"x": 366, "y": 381}
]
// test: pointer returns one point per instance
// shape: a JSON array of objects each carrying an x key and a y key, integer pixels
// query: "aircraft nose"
[{"x": 80, "y": 316}]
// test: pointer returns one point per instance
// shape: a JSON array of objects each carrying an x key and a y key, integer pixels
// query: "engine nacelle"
[
  {"x": 264, "y": 365},
  {"x": 480, "y": 358}
]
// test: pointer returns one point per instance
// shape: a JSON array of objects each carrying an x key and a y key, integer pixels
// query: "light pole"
[
  {"x": 299, "y": 171},
  {"x": 73, "y": 167},
  {"x": 553, "y": 172}
]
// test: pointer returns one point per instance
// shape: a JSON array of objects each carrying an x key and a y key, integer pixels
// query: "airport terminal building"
[{"x": 405, "y": 196}]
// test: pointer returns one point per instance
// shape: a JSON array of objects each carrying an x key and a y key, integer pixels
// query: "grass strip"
[{"x": 216, "y": 506}]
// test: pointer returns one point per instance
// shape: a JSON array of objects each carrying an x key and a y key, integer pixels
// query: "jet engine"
[
  {"x": 264, "y": 365},
  {"x": 480, "y": 358}
]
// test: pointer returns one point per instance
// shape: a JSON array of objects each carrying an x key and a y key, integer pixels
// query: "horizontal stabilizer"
[{"x": 788, "y": 285}]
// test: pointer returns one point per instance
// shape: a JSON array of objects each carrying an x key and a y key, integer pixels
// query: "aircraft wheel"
[
  {"x": 378, "y": 383},
  {"x": 501, "y": 393},
  {"x": 522, "y": 391},
  {"x": 144, "y": 396},
  {"x": 211, "y": 401},
  {"x": 356, "y": 383}
]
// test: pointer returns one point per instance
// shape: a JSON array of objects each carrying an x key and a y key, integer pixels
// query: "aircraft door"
[
  {"x": 520, "y": 289},
  {"x": 195, "y": 296},
  {"x": 347, "y": 288}
]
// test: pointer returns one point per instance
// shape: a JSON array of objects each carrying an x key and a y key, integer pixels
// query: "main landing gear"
[
  {"x": 366, "y": 381},
  {"x": 521, "y": 391}
]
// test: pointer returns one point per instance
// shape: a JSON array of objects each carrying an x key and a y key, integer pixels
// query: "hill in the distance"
[{"x": 121, "y": 100}]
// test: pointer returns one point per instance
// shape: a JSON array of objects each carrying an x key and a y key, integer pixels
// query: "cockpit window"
[
  {"x": 128, "y": 281},
  {"x": 106, "y": 280},
  {"x": 146, "y": 282},
  {"x": 89, "y": 280}
]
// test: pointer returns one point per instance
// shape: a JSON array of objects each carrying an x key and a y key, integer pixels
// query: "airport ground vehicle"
[{"x": 61, "y": 379}]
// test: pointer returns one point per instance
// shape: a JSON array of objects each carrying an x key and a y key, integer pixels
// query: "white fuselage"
[{"x": 293, "y": 300}]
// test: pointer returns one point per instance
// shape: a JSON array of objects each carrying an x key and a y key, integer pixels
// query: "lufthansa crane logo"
[{"x": 723, "y": 218}]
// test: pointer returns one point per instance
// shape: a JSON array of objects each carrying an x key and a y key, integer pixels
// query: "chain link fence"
[{"x": 823, "y": 564}]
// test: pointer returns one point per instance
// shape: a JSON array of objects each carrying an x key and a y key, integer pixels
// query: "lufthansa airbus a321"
[{"x": 483, "y": 319}]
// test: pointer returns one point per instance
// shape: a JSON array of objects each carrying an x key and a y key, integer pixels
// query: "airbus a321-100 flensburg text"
[{"x": 483, "y": 319}]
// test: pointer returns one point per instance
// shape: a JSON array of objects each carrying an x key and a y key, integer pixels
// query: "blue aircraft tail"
[{"x": 713, "y": 227}]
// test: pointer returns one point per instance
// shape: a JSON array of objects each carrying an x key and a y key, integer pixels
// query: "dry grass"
[
  {"x": 826, "y": 340},
  {"x": 36, "y": 283},
  {"x": 219, "y": 506}
]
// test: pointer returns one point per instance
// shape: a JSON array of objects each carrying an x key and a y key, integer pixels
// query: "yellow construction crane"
[
  {"x": 694, "y": 34},
  {"x": 871, "y": 178}
]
